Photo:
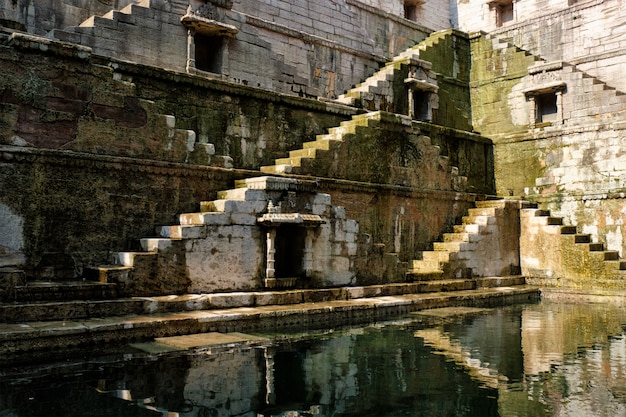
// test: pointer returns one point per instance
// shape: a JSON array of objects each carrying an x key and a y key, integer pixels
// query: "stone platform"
[{"x": 49, "y": 327}]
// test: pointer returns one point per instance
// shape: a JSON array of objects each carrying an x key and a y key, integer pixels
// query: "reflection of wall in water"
[{"x": 229, "y": 384}]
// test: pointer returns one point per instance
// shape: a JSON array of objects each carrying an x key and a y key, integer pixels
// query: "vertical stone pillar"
[
  {"x": 270, "y": 272},
  {"x": 411, "y": 103},
  {"x": 559, "y": 106},
  {"x": 307, "y": 261},
  {"x": 191, "y": 51},
  {"x": 533, "y": 111}
]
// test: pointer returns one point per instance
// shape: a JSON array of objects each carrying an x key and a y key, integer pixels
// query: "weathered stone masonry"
[{"x": 118, "y": 118}]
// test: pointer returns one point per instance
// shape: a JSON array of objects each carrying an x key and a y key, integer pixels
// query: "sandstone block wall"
[{"x": 321, "y": 48}]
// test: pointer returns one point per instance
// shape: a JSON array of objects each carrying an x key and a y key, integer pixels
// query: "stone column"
[
  {"x": 270, "y": 272},
  {"x": 533, "y": 111},
  {"x": 191, "y": 51},
  {"x": 559, "y": 106},
  {"x": 307, "y": 261}
]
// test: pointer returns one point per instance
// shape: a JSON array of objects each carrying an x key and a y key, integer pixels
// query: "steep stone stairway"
[
  {"x": 554, "y": 254},
  {"x": 377, "y": 91},
  {"x": 484, "y": 245},
  {"x": 327, "y": 155},
  {"x": 84, "y": 33}
]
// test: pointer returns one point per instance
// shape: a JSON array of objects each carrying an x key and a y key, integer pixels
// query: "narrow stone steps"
[
  {"x": 26, "y": 337},
  {"x": 606, "y": 262}
]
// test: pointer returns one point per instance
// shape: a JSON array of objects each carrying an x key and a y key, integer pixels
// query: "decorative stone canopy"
[
  {"x": 423, "y": 85},
  {"x": 550, "y": 87},
  {"x": 208, "y": 27}
]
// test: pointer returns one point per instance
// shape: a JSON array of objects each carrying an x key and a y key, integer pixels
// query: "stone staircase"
[
  {"x": 80, "y": 34},
  {"x": 377, "y": 91},
  {"x": 485, "y": 244},
  {"x": 554, "y": 255},
  {"x": 327, "y": 155}
]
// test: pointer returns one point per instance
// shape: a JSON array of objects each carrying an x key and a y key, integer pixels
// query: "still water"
[{"x": 542, "y": 359}]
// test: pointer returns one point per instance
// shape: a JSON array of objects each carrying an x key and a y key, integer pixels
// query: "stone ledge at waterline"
[{"x": 174, "y": 315}]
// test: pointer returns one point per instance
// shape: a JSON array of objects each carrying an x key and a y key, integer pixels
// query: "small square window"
[
  {"x": 546, "y": 108},
  {"x": 412, "y": 9},
  {"x": 504, "y": 12}
]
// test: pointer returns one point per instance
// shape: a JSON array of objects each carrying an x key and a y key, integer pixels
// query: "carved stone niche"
[
  {"x": 545, "y": 94},
  {"x": 207, "y": 37},
  {"x": 422, "y": 87}
]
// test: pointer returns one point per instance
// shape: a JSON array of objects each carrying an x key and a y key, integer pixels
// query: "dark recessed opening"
[
  {"x": 420, "y": 105},
  {"x": 209, "y": 51},
  {"x": 289, "y": 255},
  {"x": 547, "y": 109}
]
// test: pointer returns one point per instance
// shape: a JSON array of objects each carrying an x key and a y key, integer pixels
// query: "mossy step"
[
  {"x": 325, "y": 142},
  {"x": 456, "y": 237},
  {"x": 67, "y": 310},
  {"x": 424, "y": 276},
  {"x": 426, "y": 265},
  {"x": 36, "y": 291},
  {"x": 293, "y": 161},
  {"x": 308, "y": 153},
  {"x": 453, "y": 246}
]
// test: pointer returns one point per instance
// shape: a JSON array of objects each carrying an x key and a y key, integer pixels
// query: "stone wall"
[
  {"x": 320, "y": 49},
  {"x": 588, "y": 34},
  {"x": 571, "y": 164},
  {"x": 433, "y": 14},
  {"x": 97, "y": 153}
]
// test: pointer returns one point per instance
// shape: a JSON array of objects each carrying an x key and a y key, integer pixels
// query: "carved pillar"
[
  {"x": 307, "y": 261},
  {"x": 533, "y": 110},
  {"x": 270, "y": 272},
  {"x": 191, "y": 50},
  {"x": 559, "y": 106}
]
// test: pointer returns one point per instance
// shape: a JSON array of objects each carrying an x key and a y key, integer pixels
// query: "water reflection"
[{"x": 533, "y": 360}]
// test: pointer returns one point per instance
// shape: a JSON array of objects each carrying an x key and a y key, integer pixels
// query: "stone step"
[
  {"x": 106, "y": 273},
  {"x": 276, "y": 169},
  {"x": 484, "y": 211},
  {"x": 453, "y": 246},
  {"x": 20, "y": 340},
  {"x": 35, "y": 291},
  {"x": 457, "y": 237},
  {"x": 468, "y": 228},
  {"x": 243, "y": 194},
  {"x": 308, "y": 153},
  {"x": 236, "y": 206},
  {"x": 426, "y": 265},
  {"x": 60, "y": 308},
  {"x": 323, "y": 143}
]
